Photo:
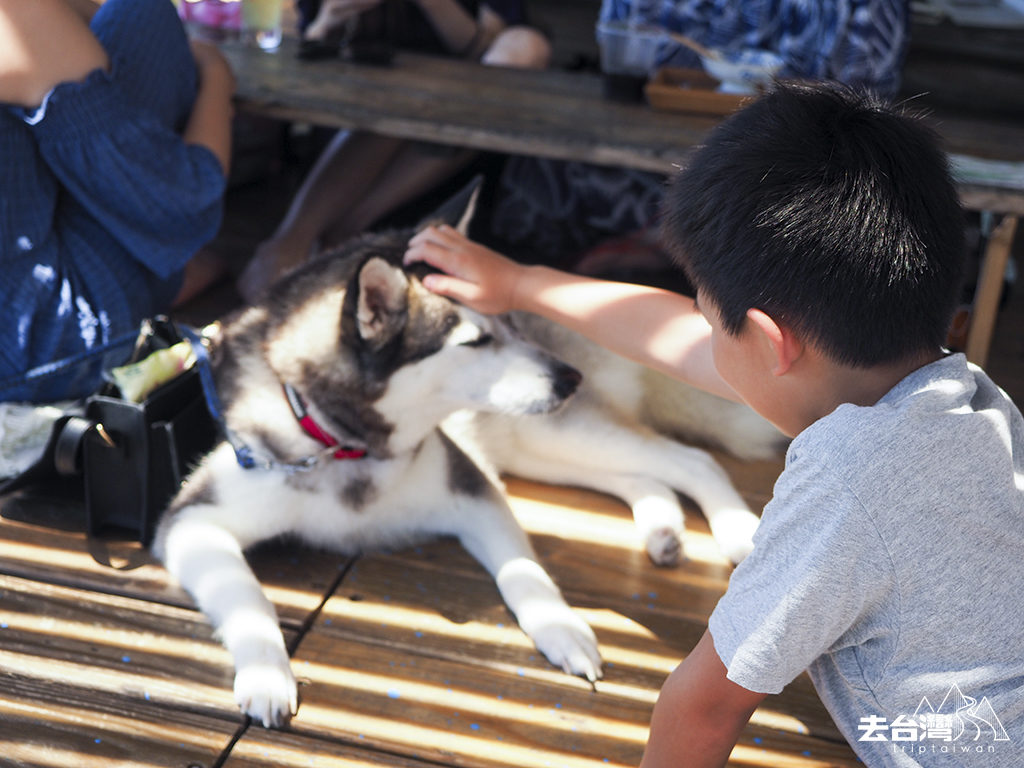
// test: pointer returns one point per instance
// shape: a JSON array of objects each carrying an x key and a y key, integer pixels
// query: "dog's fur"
[
  {"x": 382, "y": 361},
  {"x": 623, "y": 433}
]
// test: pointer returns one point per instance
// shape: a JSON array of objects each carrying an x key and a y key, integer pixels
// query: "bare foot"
[
  {"x": 202, "y": 271},
  {"x": 271, "y": 259}
]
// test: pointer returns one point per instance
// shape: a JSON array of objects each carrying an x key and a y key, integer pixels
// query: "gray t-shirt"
[{"x": 890, "y": 565}]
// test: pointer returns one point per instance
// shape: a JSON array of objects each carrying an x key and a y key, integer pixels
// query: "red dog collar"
[{"x": 314, "y": 430}]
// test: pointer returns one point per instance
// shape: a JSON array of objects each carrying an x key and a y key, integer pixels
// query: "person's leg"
[
  {"x": 418, "y": 168},
  {"x": 362, "y": 177},
  {"x": 202, "y": 271},
  {"x": 86, "y": 9},
  {"x": 413, "y": 171},
  {"x": 520, "y": 46},
  {"x": 43, "y": 43},
  {"x": 342, "y": 175}
]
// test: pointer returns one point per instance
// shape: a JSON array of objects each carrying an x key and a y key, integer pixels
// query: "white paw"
[
  {"x": 566, "y": 640},
  {"x": 266, "y": 692},
  {"x": 733, "y": 531},
  {"x": 664, "y": 546}
]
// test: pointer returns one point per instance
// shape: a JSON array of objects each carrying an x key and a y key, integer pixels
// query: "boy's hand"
[{"x": 476, "y": 276}]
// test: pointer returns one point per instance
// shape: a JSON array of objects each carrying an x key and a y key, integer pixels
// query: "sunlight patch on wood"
[
  {"x": 305, "y": 600},
  {"x": 419, "y": 622},
  {"x": 287, "y": 756},
  {"x": 91, "y": 677},
  {"x": 607, "y": 530},
  {"x": 14, "y": 551},
  {"x": 81, "y": 737},
  {"x": 777, "y": 721},
  {"x": 484, "y": 748},
  {"x": 759, "y": 757},
  {"x": 469, "y": 702},
  {"x": 22, "y": 753},
  {"x": 114, "y": 636}
]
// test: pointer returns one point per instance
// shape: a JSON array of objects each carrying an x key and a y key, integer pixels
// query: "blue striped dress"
[{"x": 102, "y": 204}]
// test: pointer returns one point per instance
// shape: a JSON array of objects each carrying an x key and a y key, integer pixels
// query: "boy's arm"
[
  {"x": 699, "y": 713},
  {"x": 654, "y": 327}
]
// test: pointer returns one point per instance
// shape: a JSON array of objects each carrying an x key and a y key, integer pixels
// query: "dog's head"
[{"x": 361, "y": 336}]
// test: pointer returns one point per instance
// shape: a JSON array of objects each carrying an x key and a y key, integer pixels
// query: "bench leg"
[{"x": 989, "y": 290}]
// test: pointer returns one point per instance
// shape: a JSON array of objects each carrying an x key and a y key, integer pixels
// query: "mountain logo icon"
[{"x": 968, "y": 717}]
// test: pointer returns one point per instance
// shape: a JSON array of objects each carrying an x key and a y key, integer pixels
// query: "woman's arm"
[
  {"x": 461, "y": 34},
  {"x": 43, "y": 43},
  {"x": 654, "y": 327},
  {"x": 209, "y": 125}
]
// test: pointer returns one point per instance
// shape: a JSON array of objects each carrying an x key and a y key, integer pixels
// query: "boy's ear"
[{"x": 785, "y": 347}]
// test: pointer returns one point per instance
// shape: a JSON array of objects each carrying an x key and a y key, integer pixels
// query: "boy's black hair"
[{"x": 830, "y": 211}]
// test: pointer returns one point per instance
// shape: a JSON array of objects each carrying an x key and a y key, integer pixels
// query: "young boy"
[{"x": 824, "y": 237}]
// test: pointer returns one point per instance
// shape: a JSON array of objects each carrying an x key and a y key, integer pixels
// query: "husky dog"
[
  {"x": 378, "y": 413},
  {"x": 334, "y": 386}
]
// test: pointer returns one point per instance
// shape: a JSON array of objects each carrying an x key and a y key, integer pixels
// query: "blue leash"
[{"x": 243, "y": 453}]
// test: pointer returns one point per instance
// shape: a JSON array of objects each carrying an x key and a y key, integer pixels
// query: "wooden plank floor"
[{"x": 406, "y": 658}]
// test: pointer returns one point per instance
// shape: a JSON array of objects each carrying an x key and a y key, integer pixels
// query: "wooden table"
[
  {"x": 545, "y": 113},
  {"x": 549, "y": 113},
  {"x": 564, "y": 115}
]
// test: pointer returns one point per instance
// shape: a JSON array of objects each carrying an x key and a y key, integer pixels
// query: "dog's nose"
[{"x": 567, "y": 379}]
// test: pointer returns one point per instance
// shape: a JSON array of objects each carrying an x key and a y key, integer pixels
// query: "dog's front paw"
[
  {"x": 664, "y": 546},
  {"x": 566, "y": 640},
  {"x": 267, "y": 692}
]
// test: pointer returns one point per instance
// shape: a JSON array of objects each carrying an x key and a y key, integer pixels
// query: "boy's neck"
[{"x": 829, "y": 384}]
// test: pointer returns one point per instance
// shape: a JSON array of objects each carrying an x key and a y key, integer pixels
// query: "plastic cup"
[
  {"x": 628, "y": 53},
  {"x": 261, "y": 23}
]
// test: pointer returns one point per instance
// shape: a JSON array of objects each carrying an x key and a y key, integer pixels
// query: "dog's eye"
[{"x": 482, "y": 340}]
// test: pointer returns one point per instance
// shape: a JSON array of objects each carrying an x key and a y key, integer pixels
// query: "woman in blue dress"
[{"x": 114, "y": 147}]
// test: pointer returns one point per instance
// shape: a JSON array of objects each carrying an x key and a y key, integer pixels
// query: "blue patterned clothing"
[
  {"x": 858, "y": 42},
  {"x": 102, "y": 204}
]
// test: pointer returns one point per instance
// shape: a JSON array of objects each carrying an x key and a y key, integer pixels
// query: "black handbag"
[{"x": 125, "y": 459}]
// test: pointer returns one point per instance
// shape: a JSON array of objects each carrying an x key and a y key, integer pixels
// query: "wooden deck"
[{"x": 405, "y": 658}]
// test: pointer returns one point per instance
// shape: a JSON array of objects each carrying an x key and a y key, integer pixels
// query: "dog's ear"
[
  {"x": 458, "y": 210},
  {"x": 383, "y": 302}
]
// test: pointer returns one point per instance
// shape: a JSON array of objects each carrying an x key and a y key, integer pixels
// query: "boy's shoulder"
[{"x": 933, "y": 416}]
